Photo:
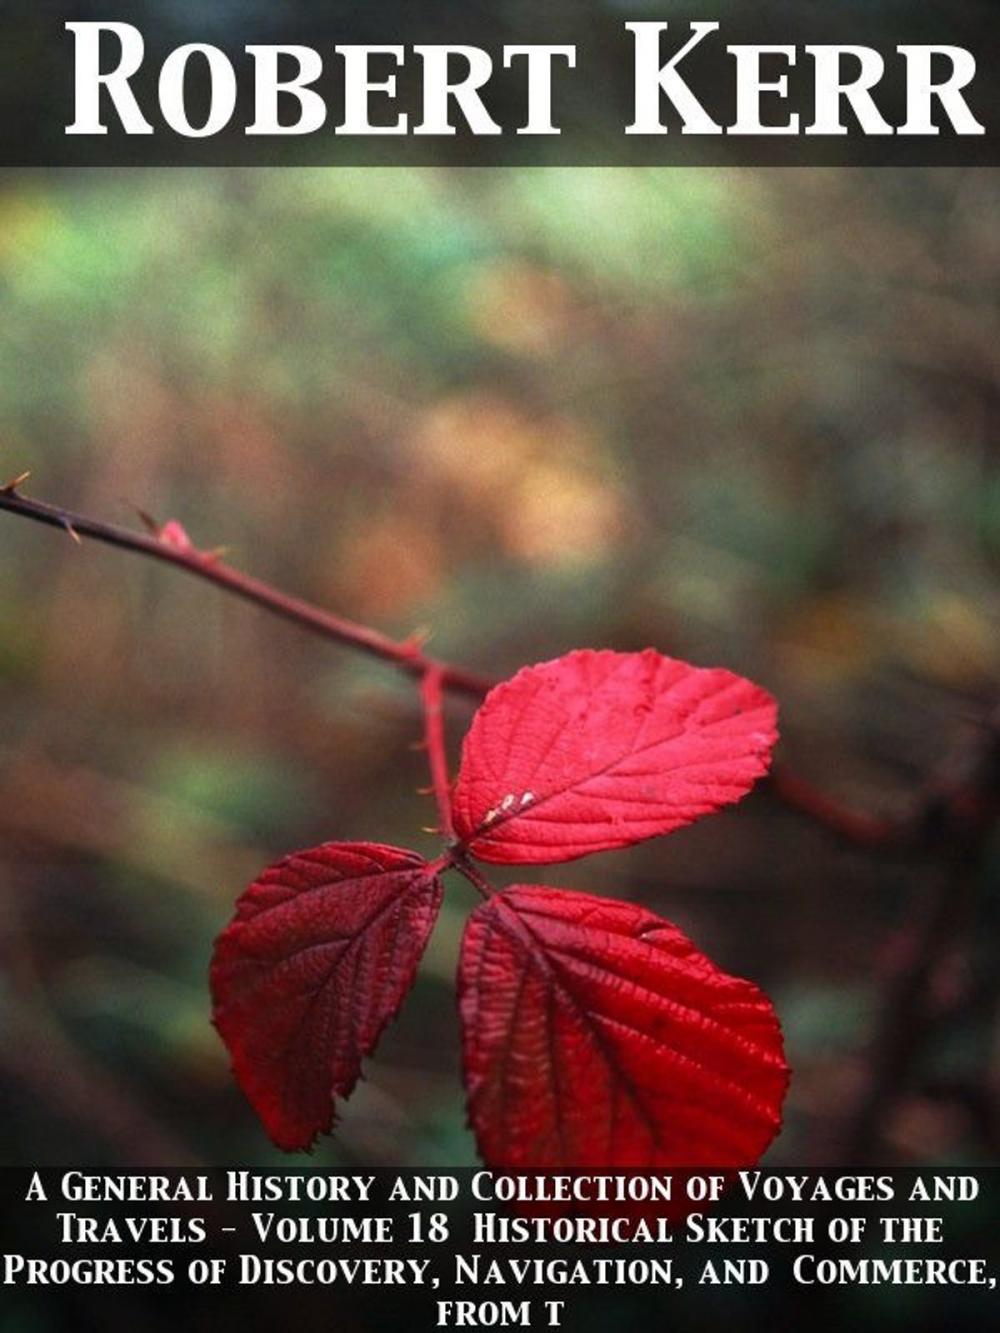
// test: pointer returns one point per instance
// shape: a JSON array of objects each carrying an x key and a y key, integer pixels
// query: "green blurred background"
[{"x": 745, "y": 417}]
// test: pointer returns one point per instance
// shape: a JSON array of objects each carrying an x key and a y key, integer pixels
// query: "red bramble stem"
[
  {"x": 858, "y": 828},
  {"x": 405, "y": 654}
]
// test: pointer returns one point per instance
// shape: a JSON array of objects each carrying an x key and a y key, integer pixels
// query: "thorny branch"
[
  {"x": 170, "y": 545},
  {"x": 437, "y": 757},
  {"x": 950, "y": 823}
]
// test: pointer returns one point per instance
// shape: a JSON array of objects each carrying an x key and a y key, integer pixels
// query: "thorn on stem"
[
  {"x": 72, "y": 531},
  {"x": 10, "y": 487}
]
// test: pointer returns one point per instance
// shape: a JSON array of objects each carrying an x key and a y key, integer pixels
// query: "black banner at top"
[{"x": 572, "y": 82}]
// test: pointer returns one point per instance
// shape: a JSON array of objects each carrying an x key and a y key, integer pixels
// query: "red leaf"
[
  {"x": 595, "y": 1035},
  {"x": 600, "y": 749},
  {"x": 317, "y": 960}
]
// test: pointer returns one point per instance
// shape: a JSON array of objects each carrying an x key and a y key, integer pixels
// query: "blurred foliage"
[{"x": 747, "y": 417}]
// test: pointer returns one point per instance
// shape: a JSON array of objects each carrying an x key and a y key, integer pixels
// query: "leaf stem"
[
  {"x": 857, "y": 828},
  {"x": 432, "y": 699}
]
